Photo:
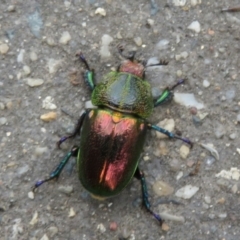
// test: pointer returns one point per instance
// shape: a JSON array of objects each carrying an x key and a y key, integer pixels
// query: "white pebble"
[
  {"x": 101, "y": 11},
  {"x": 88, "y": 104},
  {"x": 184, "y": 151},
  {"x": 48, "y": 103},
  {"x": 31, "y": 195},
  {"x": 20, "y": 56},
  {"x": 187, "y": 100},
  {"x": 33, "y": 82},
  {"x": 179, "y": 3},
  {"x": 101, "y": 228},
  {"x": 65, "y": 38},
  {"x": 138, "y": 41},
  {"x": 162, "y": 44},
  {"x": 187, "y": 192},
  {"x": 206, "y": 83},
  {"x": 53, "y": 65},
  {"x": 27, "y": 70},
  {"x": 4, "y": 48},
  {"x": 195, "y": 26},
  {"x": 104, "y": 51},
  {"x": 33, "y": 56}
]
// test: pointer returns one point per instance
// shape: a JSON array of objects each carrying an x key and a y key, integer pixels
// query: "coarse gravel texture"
[{"x": 38, "y": 41}]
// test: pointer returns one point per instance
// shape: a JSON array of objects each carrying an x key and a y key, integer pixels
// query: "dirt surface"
[{"x": 31, "y": 48}]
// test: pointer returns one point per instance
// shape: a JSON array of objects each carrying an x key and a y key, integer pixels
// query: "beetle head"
[{"x": 132, "y": 67}]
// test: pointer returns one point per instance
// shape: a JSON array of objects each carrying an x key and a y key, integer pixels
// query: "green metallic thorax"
[{"x": 124, "y": 92}]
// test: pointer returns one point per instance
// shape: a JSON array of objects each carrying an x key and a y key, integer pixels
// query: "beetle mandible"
[{"x": 112, "y": 135}]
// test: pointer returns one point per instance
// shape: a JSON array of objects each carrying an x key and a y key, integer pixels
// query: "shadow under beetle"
[{"x": 112, "y": 136}]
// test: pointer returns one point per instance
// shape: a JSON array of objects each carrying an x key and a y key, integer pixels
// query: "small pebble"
[
  {"x": 162, "y": 44},
  {"x": 44, "y": 237},
  {"x": 221, "y": 200},
  {"x": 187, "y": 192},
  {"x": 52, "y": 231},
  {"x": 33, "y": 56},
  {"x": 150, "y": 22},
  {"x": 234, "y": 188},
  {"x": 101, "y": 11},
  {"x": 222, "y": 215},
  {"x": 104, "y": 51},
  {"x": 4, "y": 48},
  {"x": 165, "y": 227},
  {"x": 51, "y": 42},
  {"x": 138, "y": 41},
  {"x": 34, "y": 219},
  {"x": 184, "y": 151},
  {"x": 31, "y": 195},
  {"x": 2, "y": 106},
  {"x": 238, "y": 118},
  {"x": 40, "y": 151},
  {"x": 182, "y": 55},
  {"x": 193, "y": 110},
  {"x": 48, "y": 103},
  {"x": 206, "y": 83},
  {"x": 65, "y": 189},
  {"x": 48, "y": 117},
  {"x": 65, "y": 38},
  {"x": 71, "y": 213},
  {"x": 194, "y": 3},
  {"x": 88, "y": 104},
  {"x": 11, "y": 8},
  {"x": 179, "y": 3},
  {"x": 162, "y": 188},
  {"x": 232, "y": 136},
  {"x": 26, "y": 70},
  {"x": 3, "y": 121},
  {"x": 101, "y": 228},
  {"x": 113, "y": 226},
  {"x": 33, "y": 82},
  {"x": 207, "y": 199},
  {"x": 219, "y": 130},
  {"x": 195, "y": 26},
  {"x": 187, "y": 100},
  {"x": 67, "y": 4},
  {"x": 53, "y": 65}
]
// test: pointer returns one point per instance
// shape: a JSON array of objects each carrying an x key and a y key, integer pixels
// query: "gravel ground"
[{"x": 40, "y": 74}]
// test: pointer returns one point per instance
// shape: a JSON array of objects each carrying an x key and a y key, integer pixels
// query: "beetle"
[{"x": 112, "y": 136}]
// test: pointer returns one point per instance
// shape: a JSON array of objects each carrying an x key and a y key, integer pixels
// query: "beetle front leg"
[
  {"x": 167, "y": 94},
  {"x": 140, "y": 176},
  {"x": 76, "y": 130},
  {"x": 89, "y": 74},
  {"x": 169, "y": 134},
  {"x": 57, "y": 171}
]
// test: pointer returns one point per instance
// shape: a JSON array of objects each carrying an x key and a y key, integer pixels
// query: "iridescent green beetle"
[{"x": 112, "y": 136}]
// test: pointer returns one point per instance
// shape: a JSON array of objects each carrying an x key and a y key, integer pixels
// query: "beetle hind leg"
[
  {"x": 167, "y": 94},
  {"x": 76, "y": 130},
  {"x": 57, "y": 171},
  {"x": 140, "y": 176}
]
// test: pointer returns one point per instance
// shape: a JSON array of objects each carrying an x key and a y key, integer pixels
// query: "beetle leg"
[
  {"x": 170, "y": 134},
  {"x": 57, "y": 171},
  {"x": 89, "y": 74},
  {"x": 75, "y": 132},
  {"x": 167, "y": 94},
  {"x": 140, "y": 176}
]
